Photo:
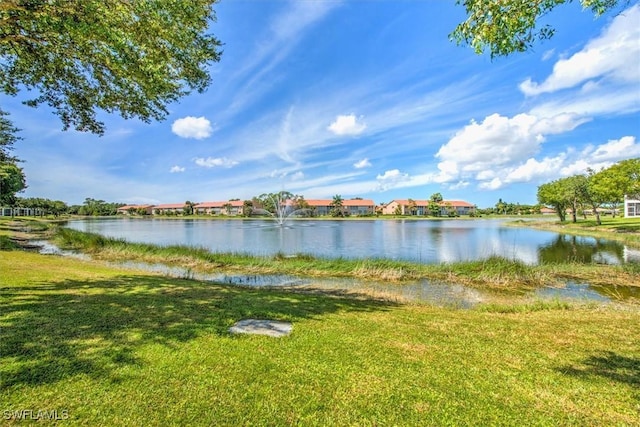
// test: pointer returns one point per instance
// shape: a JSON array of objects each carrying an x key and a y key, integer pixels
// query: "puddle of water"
[
  {"x": 47, "y": 248},
  {"x": 573, "y": 291}
]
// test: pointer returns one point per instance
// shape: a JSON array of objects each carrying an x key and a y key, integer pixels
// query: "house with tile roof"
[
  {"x": 421, "y": 207},
  {"x": 169, "y": 208},
  {"x": 352, "y": 207},
  {"x": 230, "y": 208},
  {"x": 135, "y": 210}
]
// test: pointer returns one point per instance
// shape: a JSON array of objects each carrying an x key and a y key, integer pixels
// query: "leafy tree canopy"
[
  {"x": 12, "y": 181},
  {"x": 8, "y": 136},
  {"x": 507, "y": 26},
  {"x": 130, "y": 57}
]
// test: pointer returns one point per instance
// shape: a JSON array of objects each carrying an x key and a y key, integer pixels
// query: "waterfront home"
[
  {"x": 135, "y": 210},
  {"x": 169, "y": 208},
  {"x": 231, "y": 208},
  {"x": 421, "y": 207},
  {"x": 323, "y": 207}
]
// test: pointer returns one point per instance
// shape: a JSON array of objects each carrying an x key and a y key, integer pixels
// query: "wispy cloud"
[
  {"x": 364, "y": 163},
  {"x": 212, "y": 162},
  {"x": 606, "y": 57},
  {"x": 176, "y": 169}
]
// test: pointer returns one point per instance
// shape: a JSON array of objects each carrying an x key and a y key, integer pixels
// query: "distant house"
[
  {"x": 403, "y": 207},
  {"x": 231, "y": 208},
  {"x": 459, "y": 206},
  {"x": 135, "y": 209},
  {"x": 631, "y": 207},
  {"x": 355, "y": 207},
  {"x": 172, "y": 208},
  {"x": 360, "y": 207},
  {"x": 547, "y": 211},
  {"x": 320, "y": 207},
  {"x": 421, "y": 207}
]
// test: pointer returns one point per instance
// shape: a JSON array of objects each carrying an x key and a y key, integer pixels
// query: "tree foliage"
[
  {"x": 130, "y": 57},
  {"x": 8, "y": 137},
  {"x": 93, "y": 207},
  {"x": 554, "y": 194},
  {"x": 12, "y": 181},
  {"x": 48, "y": 207},
  {"x": 593, "y": 190},
  {"x": 508, "y": 26}
]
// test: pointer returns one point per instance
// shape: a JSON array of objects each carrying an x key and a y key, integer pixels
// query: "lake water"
[{"x": 425, "y": 241}]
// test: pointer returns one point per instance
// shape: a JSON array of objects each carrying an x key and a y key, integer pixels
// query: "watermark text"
[{"x": 36, "y": 414}]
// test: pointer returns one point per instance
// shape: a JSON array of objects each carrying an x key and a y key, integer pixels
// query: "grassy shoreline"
[
  {"x": 626, "y": 231},
  {"x": 492, "y": 273}
]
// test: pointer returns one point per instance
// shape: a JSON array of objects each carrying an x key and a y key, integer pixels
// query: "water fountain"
[{"x": 283, "y": 208}]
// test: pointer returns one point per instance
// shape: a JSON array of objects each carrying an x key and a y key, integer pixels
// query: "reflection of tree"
[
  {"x": 568, "y": 248},
  {"x": 617, "y": 292}
]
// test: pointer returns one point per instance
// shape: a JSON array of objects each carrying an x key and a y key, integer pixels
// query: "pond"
[{"x": 424, "y": 241}]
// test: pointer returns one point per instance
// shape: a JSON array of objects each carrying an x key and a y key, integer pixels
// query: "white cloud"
[
  {"x": 502, "y": 150},
  {"x": 364, "y": 163},
  {"x": 610, "y": 56},
  {"x": 347, "y": 125},
  {"x": 498, "y": 141},
  {"x": 571, "y": 162},
  {"x": 192, "y": 127},
  {"x": 615, "y": 150},
  {"x": 532, "y": 168},
  {"x": 176, "y": 169},
  {"x": 212, "y": 162},
  {"x": 391, "y": 178}
]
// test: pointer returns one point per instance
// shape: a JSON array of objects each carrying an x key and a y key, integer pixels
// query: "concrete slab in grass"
[{"x": 272, "y": 328}]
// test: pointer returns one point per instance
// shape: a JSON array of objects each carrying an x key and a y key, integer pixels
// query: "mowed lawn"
[{"x": 106, "y": 346}]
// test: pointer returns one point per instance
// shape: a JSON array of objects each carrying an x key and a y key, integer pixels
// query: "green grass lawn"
[{"x": 120, "y": 347}]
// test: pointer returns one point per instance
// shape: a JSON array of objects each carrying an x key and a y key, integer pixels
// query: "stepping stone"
[{"x": 272, "y": 328}]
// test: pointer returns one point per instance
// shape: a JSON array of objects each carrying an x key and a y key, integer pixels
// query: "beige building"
[
  {"x": 231, "y": 208},
  {"x": 421, "y": 207}
]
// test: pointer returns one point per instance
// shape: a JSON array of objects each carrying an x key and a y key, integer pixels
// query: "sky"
[{"x": 361, "y": 98}]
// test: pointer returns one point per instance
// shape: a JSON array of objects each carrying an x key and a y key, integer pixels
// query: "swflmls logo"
[{"x": 29, "y": 414}]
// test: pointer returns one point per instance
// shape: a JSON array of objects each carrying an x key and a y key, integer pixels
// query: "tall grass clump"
[
  {"x": 90, "y": 242},
  {"x": 6, "y": 244},
  {"x": 501, "y": 272}
]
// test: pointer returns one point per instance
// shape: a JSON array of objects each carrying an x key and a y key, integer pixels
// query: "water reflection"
[
  {"x": 419, "y": 241},
  {"x": 566, "y": 248}
]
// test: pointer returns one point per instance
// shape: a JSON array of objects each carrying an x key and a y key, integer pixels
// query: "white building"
[{"x": 631, "y": 208}]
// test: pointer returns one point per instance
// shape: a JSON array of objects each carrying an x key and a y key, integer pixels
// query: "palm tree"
[
  {"x": 413, "y": 207},
  {"x": 337, "y": 204},
  {"x": 188, "y": 207}
]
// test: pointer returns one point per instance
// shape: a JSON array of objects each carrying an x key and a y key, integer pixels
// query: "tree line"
[
  {"x": 593, "y": 190},
  {"x": 56, "y": 208}
]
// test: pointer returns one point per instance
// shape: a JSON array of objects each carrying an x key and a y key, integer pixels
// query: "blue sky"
[{"x": 363, "y": 99}]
